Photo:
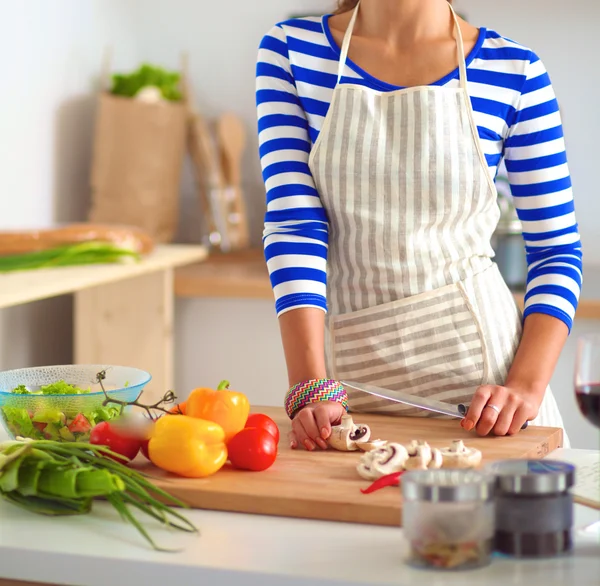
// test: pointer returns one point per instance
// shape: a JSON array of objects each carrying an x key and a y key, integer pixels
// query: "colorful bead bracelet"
[{"x": 313, "y": 391}]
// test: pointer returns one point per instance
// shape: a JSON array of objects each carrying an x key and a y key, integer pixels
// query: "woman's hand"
[
  {"x": 312, "y": 425},
  {"x": 513, "y": 407}
]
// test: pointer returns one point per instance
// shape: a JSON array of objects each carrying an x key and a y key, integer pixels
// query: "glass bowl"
[{"x": 65, "y": 417}]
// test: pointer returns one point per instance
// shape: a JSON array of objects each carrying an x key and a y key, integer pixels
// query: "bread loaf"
[{"x": 23, "y": 241}]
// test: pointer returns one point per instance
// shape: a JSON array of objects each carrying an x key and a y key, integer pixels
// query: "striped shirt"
[{"x": 517, "y": 117}]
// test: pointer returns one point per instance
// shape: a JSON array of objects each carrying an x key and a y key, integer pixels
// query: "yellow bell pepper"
[
  {"x": 187, "y": 446},
  {"x": 227, "y": 408}
]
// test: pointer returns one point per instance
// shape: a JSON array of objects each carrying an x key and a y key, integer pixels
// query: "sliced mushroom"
[
  {"x": 371, "y": 445},
  {"x": 459, "y": 456},
  {"x": 382, "y": 461},
  {"x": 346, "y": 436},
  {"x": 436, "y": 459},
  {"x": 419, "y": 456}
]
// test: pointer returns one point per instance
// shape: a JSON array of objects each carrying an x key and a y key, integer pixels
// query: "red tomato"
[
  {"x": 105, "y": 435},
  {"x": 263, "y": 422},
  {"x": 144, "y": 449},
  {"x": 252, "y": 449},
  {"x": 80, "y": 424},
  {"x": 39, "y": 425}
]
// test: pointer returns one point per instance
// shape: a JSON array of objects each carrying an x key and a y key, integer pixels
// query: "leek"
[
  {"x": 84, "y": 253},
  {"x": 55, "y": 478}
]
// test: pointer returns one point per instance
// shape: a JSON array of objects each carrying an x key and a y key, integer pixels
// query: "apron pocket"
[{"x": 429, "y": 345}]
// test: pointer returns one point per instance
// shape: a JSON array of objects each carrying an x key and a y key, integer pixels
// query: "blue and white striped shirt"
[{"x": 517, "y": 117}]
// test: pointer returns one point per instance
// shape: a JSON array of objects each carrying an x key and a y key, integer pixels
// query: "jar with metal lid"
[
  {"x": 534, "y": 507},
  {"x": 448, "y": 518}
]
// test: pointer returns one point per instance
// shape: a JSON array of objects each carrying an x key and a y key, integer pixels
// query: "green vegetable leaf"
[
  {"x": 18, "y": 421},
  {"x": 129, "y": 85}
]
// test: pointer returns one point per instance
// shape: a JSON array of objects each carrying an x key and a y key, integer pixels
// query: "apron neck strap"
[
  {"x": 462, "y": 67},
  {"x": 346, "y": 42}
]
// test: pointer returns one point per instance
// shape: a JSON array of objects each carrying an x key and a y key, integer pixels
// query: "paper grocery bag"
[{"x": 139, "y": 149}]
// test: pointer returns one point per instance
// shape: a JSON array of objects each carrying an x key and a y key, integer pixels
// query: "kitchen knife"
[{"x": 458, "y": 411}]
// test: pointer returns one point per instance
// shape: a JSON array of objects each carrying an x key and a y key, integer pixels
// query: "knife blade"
[{"x": 458, "y": 411}]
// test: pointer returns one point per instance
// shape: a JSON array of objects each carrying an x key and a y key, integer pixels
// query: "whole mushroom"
[
  {"x": 346, "y": 436},
  {"x": 382, "y": 461},
  {"x": 459, "y": 456}
]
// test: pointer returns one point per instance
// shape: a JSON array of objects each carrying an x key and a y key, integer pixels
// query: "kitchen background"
[{"x": 51, "y": 58}]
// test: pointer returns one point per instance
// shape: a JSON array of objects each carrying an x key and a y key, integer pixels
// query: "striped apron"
[{"x": 415, "y": 302}]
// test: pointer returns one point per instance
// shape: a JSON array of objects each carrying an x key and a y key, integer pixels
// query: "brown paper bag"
[{"x": 139, "y": 149}]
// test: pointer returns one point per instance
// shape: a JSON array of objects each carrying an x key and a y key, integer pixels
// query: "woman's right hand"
[{"x": 311, "y": 427}]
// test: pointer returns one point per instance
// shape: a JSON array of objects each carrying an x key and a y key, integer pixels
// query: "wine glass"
[{"x": 587, "y": 377}]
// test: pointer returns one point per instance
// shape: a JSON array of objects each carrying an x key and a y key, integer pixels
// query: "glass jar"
[
  {"x": 448, "y": 518},
  {"x": 534, "y": 507}
]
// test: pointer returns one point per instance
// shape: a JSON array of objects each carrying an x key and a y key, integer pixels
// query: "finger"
[
  {"x": 489, "y": 416},
  {"x": 300, "y": 433},
  {"x": 480, "y": 398},
  {"x": 505, "y": 418},
  {"x": 307, "y": 418},
  {"x": 519, "y": 418},
  {"x": 293, "y": 440},
  {"x": 323, "y": 417}
]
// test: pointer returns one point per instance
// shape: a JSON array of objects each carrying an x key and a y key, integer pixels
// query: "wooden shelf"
[
  {"x": 244, "y": 275},
  {"x": 240, "y": 275}
]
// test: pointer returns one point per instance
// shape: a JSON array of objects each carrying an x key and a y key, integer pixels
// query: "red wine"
[{"x": 588, "y": 399}]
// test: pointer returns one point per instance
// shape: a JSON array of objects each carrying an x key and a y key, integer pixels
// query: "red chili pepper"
[{"x": 387, "y": 480}]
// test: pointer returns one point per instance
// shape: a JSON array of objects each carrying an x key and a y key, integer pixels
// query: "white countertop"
[{"x": 99, "y": 549}]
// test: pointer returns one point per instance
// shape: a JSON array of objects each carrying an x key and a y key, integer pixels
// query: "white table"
[
  {"x": 123, "y": 313},
  {"x": 100, "y": 550}
]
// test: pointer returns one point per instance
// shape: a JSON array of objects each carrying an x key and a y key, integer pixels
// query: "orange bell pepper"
[
  {"x": 227, "y": 408},
  {"x": 187, "y": 446}
]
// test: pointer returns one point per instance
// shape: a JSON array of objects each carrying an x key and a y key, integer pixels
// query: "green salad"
[{"x": 52, "y": 423}]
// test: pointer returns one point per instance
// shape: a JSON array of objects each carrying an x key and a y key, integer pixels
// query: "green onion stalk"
[
  {"x": 84, "y": 253},
  {"x": 56, "y": 478}
]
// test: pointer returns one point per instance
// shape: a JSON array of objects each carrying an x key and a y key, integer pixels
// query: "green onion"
[
  {"x": 55, "y": 478},
  {"x": 74, "y": 254}
]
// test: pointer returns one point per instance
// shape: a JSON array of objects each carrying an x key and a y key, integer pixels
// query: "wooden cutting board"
[{"x": 325, "y": 485}]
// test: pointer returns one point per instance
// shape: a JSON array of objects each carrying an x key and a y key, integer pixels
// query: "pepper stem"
[{"x": 223, "y": 385}]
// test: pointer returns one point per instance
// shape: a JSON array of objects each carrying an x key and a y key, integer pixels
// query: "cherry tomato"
[
  {"x": 80, "y": 424},
  {"x": 104, "y": 434},
  {"x": 252, "y": 449},
  {"x": 263, "y": 422}
]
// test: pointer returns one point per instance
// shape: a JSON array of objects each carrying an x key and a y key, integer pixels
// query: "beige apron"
[{"x": 415, "y": 302}]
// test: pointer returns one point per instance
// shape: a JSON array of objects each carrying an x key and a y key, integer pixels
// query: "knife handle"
[{"x": 463, "y": 411}]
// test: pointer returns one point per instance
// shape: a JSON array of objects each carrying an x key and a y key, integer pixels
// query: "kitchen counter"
[{"x": 99, "y": 549}]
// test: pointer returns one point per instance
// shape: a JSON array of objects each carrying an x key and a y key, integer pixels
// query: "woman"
[{"x": 381, "y": 128}]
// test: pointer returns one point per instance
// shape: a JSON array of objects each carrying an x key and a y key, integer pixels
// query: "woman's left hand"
[{"x": 501, "y": 410}]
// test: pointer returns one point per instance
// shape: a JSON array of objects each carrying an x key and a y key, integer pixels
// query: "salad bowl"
[{"x": 63, "y": 403}]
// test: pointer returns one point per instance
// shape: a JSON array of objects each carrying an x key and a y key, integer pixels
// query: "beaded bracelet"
[{"x": 313, "y": 391}]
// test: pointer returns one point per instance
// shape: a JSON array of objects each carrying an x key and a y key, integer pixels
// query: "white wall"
[{"x": 50, "y": 55}]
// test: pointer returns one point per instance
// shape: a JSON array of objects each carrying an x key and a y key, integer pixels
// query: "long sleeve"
[
  {"x": 536, "y": 162},
  {"x": 295, "y": 228}
]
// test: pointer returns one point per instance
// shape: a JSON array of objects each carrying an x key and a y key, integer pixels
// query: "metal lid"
[
  {"x": 532, "y": 476},
  {"x": 447, "y": 485}
]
